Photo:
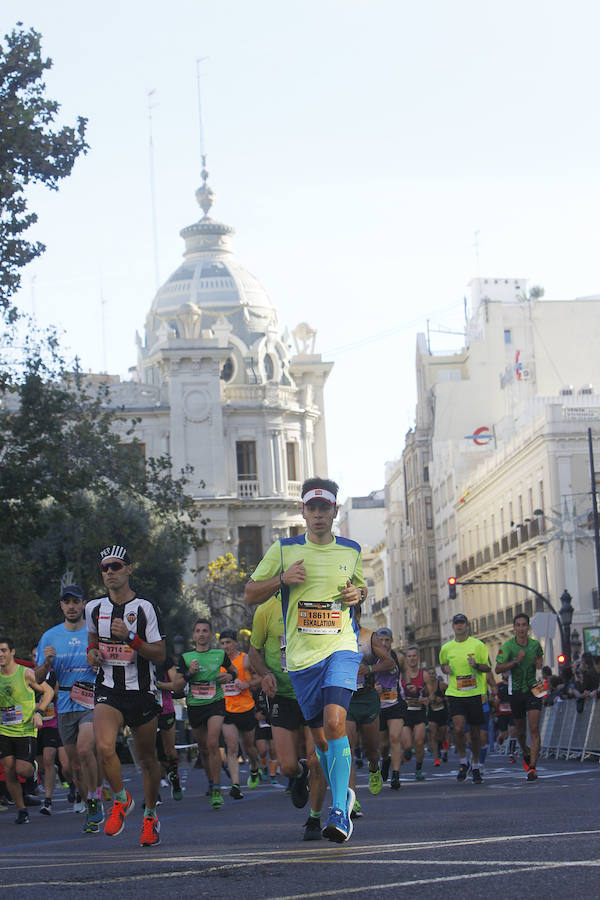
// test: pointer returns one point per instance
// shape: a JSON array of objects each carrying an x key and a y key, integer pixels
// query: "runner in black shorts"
[
  {"x": 125, "y": 644},
  {"x": 437, "y": 716},
  {"x": 415, "y": 723},
  {"x": 393, "y": 711}
]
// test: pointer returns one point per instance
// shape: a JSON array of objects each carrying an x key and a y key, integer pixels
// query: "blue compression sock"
[
  {"x": 338, "y": 764},
  {"x": 322, "y": 757}
]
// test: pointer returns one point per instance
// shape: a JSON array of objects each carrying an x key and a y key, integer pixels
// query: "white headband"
[{"x": 319, "y": 494}]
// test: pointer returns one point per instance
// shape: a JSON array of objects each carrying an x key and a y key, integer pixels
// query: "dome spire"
[{"x": 205, "y": 194}]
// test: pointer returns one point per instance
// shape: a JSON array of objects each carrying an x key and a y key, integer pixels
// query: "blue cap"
[{"x": 72, "y": 590}]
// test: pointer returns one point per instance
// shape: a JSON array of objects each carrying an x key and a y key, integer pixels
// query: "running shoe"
[
  {"x": 79, "y": 807},
  {"x": 312, "y": 829},
  {"x": 531, "y": 775},
  {"x": 234, "y": 791},
  {"x": 274, "y": 779},
  {"x": 90, "y": 827},
  {"x": 375, "y": 781},
  {"x": 150, "y": 831},
  {"x": 216, "y": 798},
  {"x": 419, "y": 776},
  {"x": 3, "y": 805},
  {"x": 339, "y": 825},
  {"x": 356, "y": 811},
  {"x": 477, "y": 779},
  {"x": 95, "y": 811},
  {"x": 385, "y": 767},
  {"x": 115, "y": 823},
  {"x": 164, "y": 782},
  {"x": 527, "y": 759},
  {"x": 264, "y": 774},
  {"x": 395, "y": 782},
  {"x": 46, "y": 808},
  {"x": 512, "y": 758},
  {"x": 254, "y": 780},
  {"x": 176, "y": 792},
  {"x": 299, "y": 789},
  {"x": 463, "y": 771},
  {"x": 437, "y": 761},
  {"x": 22, "y": 817},
  {"x": 407, "y": 755}
]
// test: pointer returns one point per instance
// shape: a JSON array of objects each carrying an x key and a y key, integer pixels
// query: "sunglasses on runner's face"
[{"x": 113, "y": 566}]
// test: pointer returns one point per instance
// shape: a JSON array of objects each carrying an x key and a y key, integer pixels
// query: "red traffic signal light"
[
  {"x": 452, "y": 588},
  {"x": 561, "y": 659}
]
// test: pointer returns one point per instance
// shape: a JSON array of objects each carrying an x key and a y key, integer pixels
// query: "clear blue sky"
[{"x": 355, "y": 146}]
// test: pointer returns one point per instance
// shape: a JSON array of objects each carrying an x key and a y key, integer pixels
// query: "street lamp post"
[
  {"x": 576, "y": 644},
  {"x": 566, "y": 617}
]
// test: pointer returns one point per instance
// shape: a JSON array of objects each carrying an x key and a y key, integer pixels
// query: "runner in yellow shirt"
[{"x": 465, "y": 659}]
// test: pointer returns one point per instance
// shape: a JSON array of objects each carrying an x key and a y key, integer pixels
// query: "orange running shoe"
[
  {"x": 436, "y": 762},
  {"x": 150, "y": 831},
  {"x": 116, "y": 820}
]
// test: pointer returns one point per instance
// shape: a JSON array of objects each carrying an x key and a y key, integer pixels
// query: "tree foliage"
[
  {"x": 32, "y": 150},
  {"x": 69, "y": 486},
  {"x": 222, "y": 593}
]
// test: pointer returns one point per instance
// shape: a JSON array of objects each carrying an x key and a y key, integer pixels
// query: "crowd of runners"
[{"x": 314, "y": 696}]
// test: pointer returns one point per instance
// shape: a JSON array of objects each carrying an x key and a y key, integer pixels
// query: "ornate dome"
[{"x": 210, "y": 276}]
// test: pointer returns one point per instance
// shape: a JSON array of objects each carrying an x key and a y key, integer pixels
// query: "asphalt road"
[{"x": 434, "y": 839}]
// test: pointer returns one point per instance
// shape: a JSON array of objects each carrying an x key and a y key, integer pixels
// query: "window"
[
  {"x": 227, "y": 370},
  {"x": 250, "y": 545},
  {"x": 290, "y": 453},
  {"x": 246, "y": 460},
  {"x": 428, "y": 513},
  {"x": 507, "y": 336},
  {"x": 133, "y": 455},
  {"x": 269, "y": 369}
]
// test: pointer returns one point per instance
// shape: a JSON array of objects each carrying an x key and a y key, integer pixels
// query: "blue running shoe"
[{"x": 339, "y": 825}]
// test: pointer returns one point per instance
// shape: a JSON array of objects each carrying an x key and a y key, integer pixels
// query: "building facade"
[{"x": 229, "y": 397}]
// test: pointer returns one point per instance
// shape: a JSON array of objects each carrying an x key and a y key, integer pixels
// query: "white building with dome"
[{"x": 219, "y": 388}]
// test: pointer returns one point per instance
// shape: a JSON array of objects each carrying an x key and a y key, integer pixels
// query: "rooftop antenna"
[
  {"x": 103, "y": 317},
  {"x": 199, "y": 62},
  {"x": 476, "y": 249},
  {"x": 33, "y": 296},
  {"x": 152, "y": 105}
]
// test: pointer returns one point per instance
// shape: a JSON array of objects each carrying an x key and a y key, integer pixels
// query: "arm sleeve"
[
  {"x": 89, "y": 621},
  {"x": 153, "y": 632},
  {"x": 259, "y": 628}
]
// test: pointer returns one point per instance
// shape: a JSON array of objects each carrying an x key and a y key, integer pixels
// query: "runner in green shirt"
[
  {"x": 201, "y": 668},
  {"x": 521, "y": 656},
  {"x": 19, "y": 721}
]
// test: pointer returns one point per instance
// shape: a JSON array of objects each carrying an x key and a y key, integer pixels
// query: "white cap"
[{"x": 319, "y": 494}]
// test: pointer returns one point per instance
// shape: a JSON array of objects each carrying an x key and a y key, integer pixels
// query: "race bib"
[
  {"x": 388, "y": 698},
  {"x": 413, "y": 704},
  {"x": 11, "y": 715},
  {"x": 504, "y": 709},
  {"x": 48, "y": 713},
  {"x": 282, "y": 647},
  {"x": 319, "y": 617},
  {"x": 466, "y": 682},
  {"x": 230, "y": 689},
  {"x": 436, "y": 708},
  {"x": 83, "y": 694},
  {"x": 540, "y": 689},
  {"x": 115, "y": 653},
  {"x": 203, "y": 690}
]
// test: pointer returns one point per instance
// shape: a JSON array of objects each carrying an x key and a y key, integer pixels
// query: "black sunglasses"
[{"x": 113, "y": 566}]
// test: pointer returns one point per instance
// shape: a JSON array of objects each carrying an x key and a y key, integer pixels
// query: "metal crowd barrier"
[{"x": 568, "y": 734}]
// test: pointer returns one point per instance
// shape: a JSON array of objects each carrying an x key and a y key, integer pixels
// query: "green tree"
[
  {"x": 222, "y": 593},
  {"x": 32, "y": 150}
]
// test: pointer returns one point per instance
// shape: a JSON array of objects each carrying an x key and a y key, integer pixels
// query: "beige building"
[{"x": 505, "y": 424}]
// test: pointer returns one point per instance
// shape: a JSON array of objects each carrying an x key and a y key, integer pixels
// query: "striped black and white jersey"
[{"x": 123, "y": 669}]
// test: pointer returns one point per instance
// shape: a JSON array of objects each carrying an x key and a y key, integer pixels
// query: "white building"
[
  {"x": 503, "y": 428},
  {"x": 218, "y": 387}
]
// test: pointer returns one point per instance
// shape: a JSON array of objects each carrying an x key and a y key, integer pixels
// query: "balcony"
[
  {"x": 247, "y": 490},
  {"x": 294, "y": 488}
]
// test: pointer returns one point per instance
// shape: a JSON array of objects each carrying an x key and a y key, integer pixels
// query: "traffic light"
[
  {"x": 561, "y": 660},
  {"x": 452, "y": 588}
]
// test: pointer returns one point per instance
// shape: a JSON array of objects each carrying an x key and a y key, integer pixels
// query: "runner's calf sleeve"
[{"x": 338, "y": 764}]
